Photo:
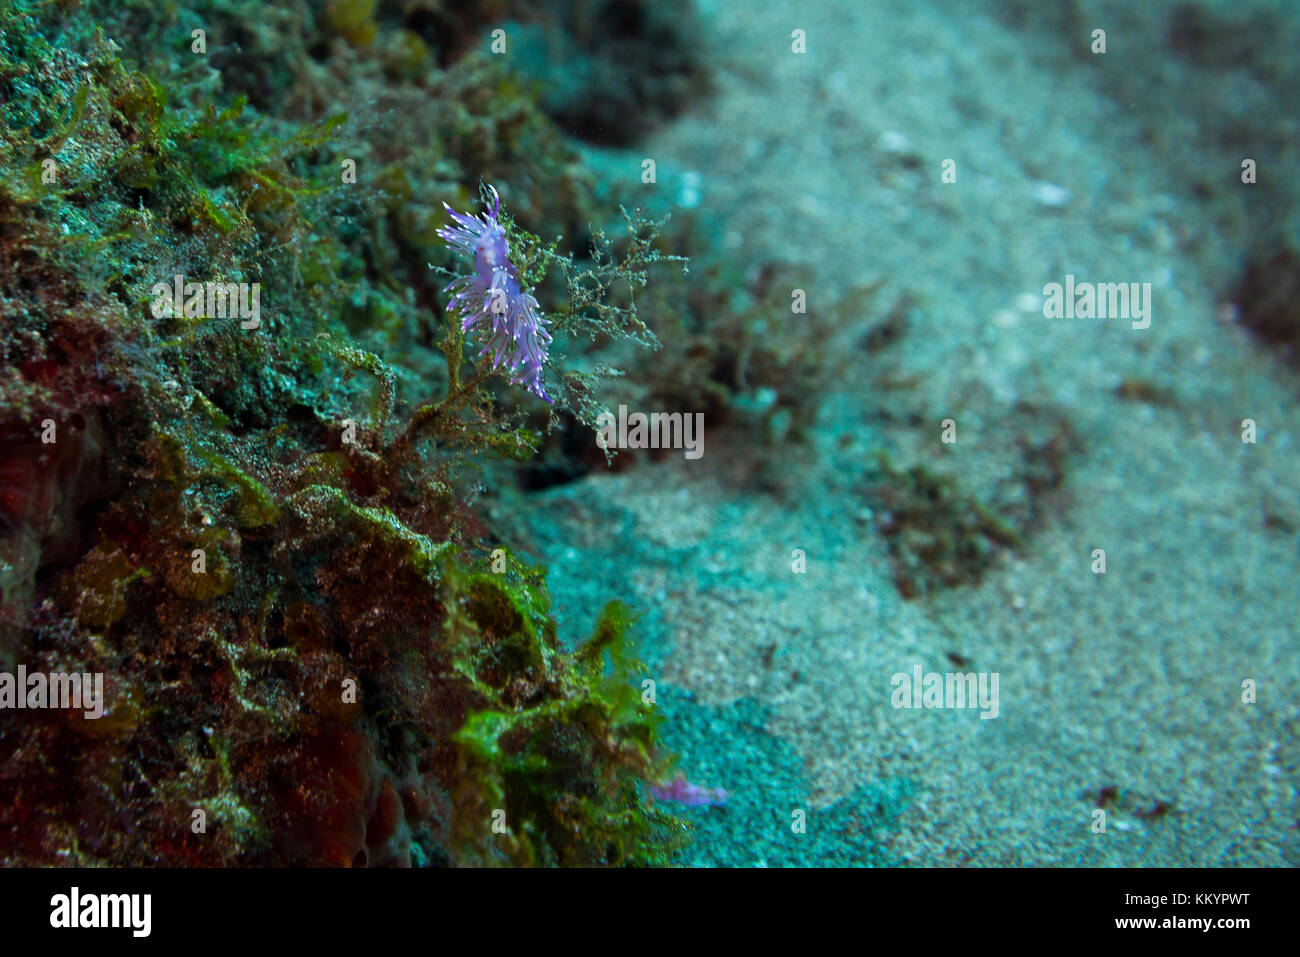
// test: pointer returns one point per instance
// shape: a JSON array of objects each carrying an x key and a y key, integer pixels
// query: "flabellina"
[{"x": 491, "y": 302}]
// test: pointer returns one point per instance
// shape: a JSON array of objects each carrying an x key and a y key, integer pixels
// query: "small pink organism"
[{"x": 681, "y": 791}]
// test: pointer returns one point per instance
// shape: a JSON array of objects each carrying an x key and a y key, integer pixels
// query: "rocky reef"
[{"x": 256, "y": 517}]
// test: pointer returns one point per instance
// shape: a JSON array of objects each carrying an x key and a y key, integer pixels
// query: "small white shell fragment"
[
  {"x": 1029, "y": 302},
  {"x": 689, "y": 197},
  {"x": 892, "y": 141},
  {"x": 1049, "y": 194}
]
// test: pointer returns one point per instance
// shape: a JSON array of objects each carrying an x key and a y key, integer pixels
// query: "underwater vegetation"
[{"x": 260, "y": 525}]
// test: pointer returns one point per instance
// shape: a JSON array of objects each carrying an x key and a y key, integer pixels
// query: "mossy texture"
[{"x": 264, "y": 537}]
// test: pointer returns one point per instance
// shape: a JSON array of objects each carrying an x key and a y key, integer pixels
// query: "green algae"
[
  {"x": 573, "y": 795},
  {"x": 254, "y": 504},
  {"x": 328, "y": 596},
  {"x": 320, "y": 504}
]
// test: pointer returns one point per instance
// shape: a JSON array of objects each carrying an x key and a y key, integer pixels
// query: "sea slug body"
[
  {"x": 681, "y": 791},
  {"x": 491, "y": 299}
]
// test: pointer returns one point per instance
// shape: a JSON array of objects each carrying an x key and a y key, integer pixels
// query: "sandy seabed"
[{"x": 1121, "y": 691}]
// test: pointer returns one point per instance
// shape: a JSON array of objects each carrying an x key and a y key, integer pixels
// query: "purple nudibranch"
[
  {"x": 681, "y": 791},
  {"x": 491, "y": 299}
]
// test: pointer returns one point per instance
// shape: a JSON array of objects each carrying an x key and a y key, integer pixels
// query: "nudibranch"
[{"x": 491, "y": 300}]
